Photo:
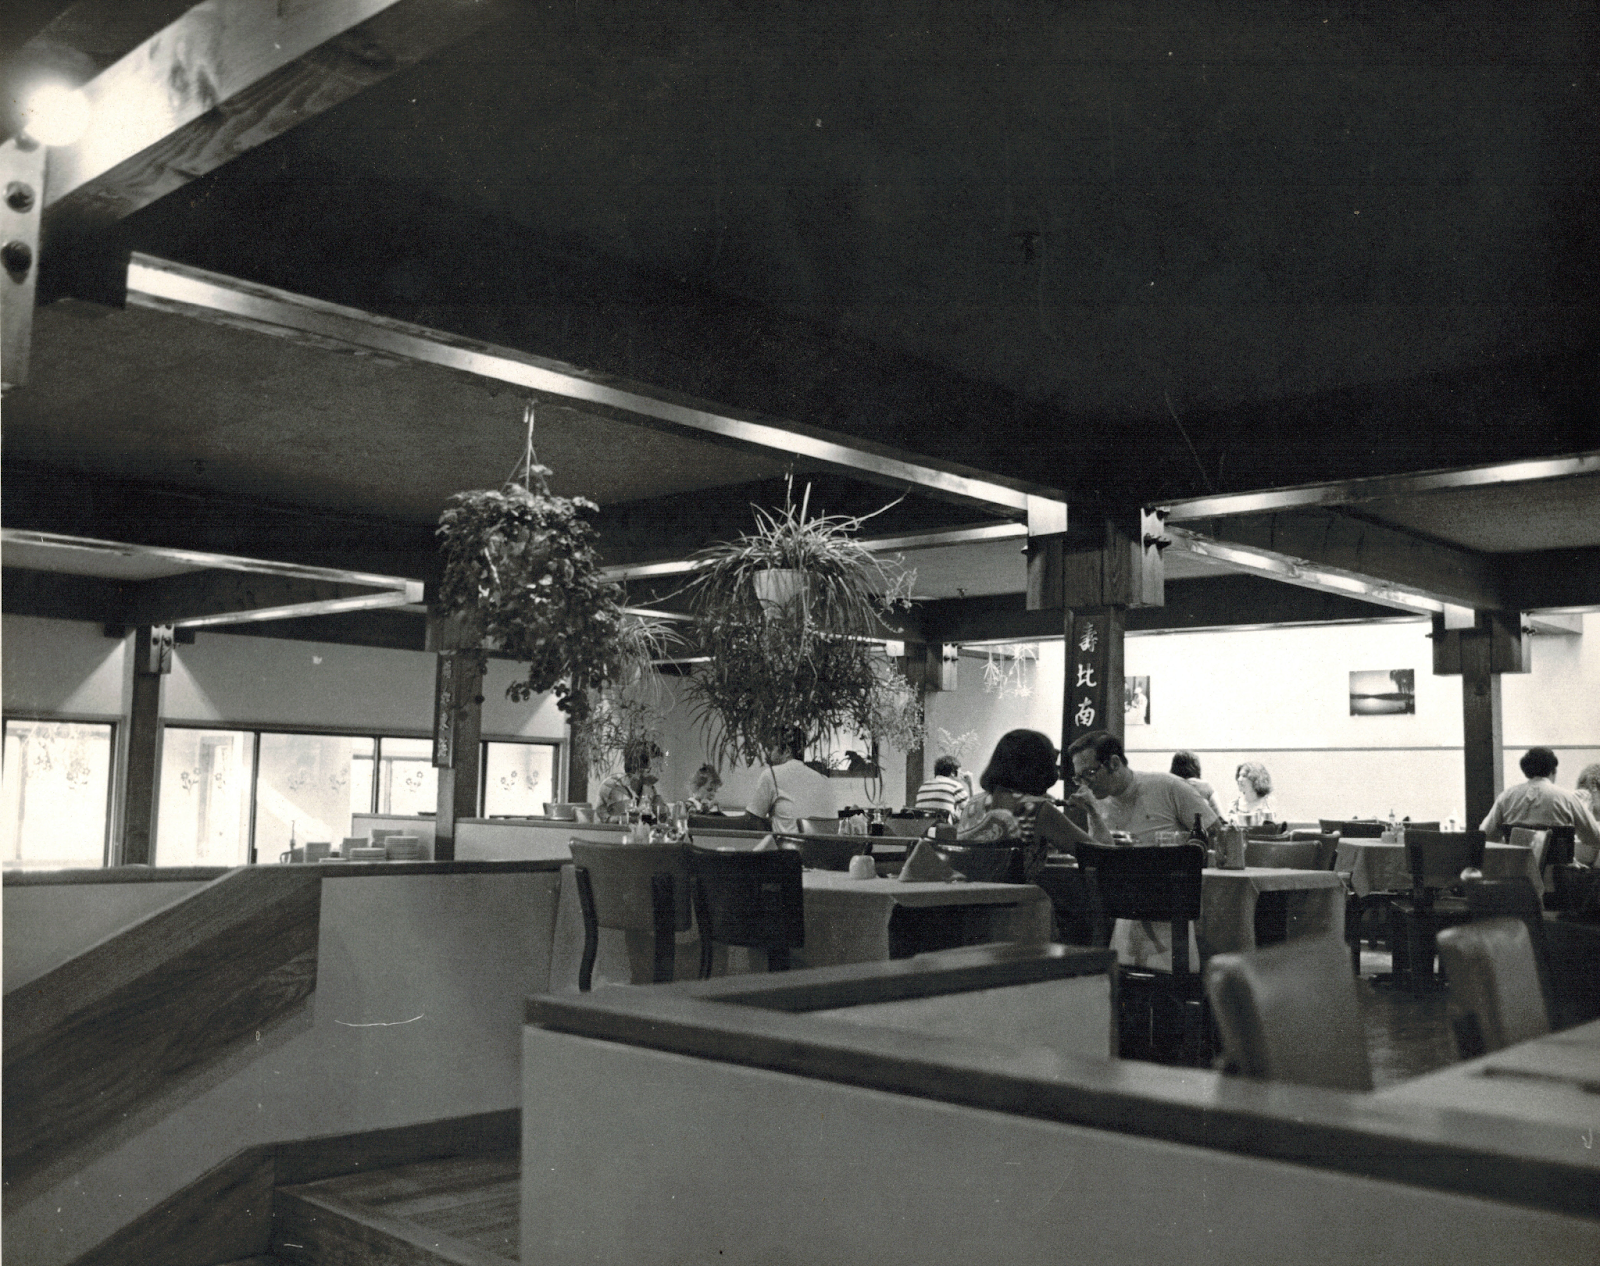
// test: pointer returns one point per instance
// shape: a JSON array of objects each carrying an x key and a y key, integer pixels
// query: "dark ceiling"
[{"x": 1130, "y": 250}]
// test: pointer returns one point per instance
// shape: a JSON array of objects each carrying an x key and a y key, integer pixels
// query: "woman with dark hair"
[
  {"x": 1022, "y": 768},
  {"x": 1186, "y": 765}
]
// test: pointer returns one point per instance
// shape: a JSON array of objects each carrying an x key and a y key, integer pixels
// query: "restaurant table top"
[
  {"x": 1227, "y": 921},
  {"x": 1554, "y": 1078},
  {"x": 1381, "y": 866},
  {"x": 846, "y": 921}
]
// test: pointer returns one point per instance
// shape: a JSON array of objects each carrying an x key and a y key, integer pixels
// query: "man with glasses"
[{"x": 1128, "y": 802}]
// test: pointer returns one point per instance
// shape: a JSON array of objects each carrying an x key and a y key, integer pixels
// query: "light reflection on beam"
[
  {"x": 1355, "y": 491},
  {"x": 1297, "y": 571},
  {"x": 170, "y": 287}
]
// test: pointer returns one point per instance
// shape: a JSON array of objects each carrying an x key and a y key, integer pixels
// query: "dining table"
[
  {"x": 1312, "y": 905},
  {"x": 1381, "y": 865},
  {"x": 846, "y": 921},
  {"x": 1553, "y": 1078}
]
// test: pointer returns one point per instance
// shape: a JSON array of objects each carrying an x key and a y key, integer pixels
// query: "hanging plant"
[
  {"x": 521, "y": 574},
  {"x": 800, "y": 654}
]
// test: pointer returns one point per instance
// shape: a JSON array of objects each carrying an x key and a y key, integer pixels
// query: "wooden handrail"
[{"x": 90, "y": 1040}]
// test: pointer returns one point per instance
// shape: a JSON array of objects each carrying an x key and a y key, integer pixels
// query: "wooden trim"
[
  {"x": 225, "y": 1213},
  {"x": 114, "y": 875},
  {"x": 347, "y": 870},
  {"x": 152, "y": 1005},
  {"x": 311, "y": 1160},
  {"x": 1484, "y": 1157},
  {"x": 310, "y": 1226}
]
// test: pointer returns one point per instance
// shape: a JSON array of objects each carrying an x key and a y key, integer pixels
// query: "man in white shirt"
[
  {"x": 1539, "y": 803},
  {"x": 789, "y": 789},
  {"x": 1124, "y": 800}
]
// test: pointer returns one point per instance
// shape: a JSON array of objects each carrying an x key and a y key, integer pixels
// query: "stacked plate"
[
  {"x": 366, "y": 854},
  {"x": 404, "y": 848}
]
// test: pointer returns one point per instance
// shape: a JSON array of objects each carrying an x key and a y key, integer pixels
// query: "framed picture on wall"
[
  {"x": 1379, "y": 693},
  {"x": 1136, "y": 701}
]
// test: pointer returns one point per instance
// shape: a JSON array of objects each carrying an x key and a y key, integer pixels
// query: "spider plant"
[{"x": 812, "y": 665}]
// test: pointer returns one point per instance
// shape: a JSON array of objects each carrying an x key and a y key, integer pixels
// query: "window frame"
[
  {"x": 113, "y": 773},
  {"x": 376, "y": 734}
]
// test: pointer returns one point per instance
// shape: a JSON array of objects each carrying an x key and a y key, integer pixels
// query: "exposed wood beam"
[
  {"x": 1227, "y": 601},
  {"x": 194, "y": 292},
  {"x": 1351, "y": 492},
  {"x": 200, "y": 598},
  {"x": 225, "y": 77},
  {"x": 1326, "y": 550}
]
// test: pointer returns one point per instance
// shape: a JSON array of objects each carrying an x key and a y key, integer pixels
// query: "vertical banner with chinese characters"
[
  {"x": 444, "y": 712},
  {"x": 1094, "y": 672}
]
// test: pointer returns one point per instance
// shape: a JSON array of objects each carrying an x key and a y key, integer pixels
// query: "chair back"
[
  {"x": 1495, "y": 995},
  {"x": 1563, "y": 843},
  {"x": 748, "y": 898},
  {"x": 1138, "y": 883},
  {"x": 1420, "y": 826},
  {"x": 818, "y": 826},
  {"x": 910, "y": 824},
  {"x": 621, "y": 875},
  {"x": 1290, "y": 1013},
  {"x": 996, "y": 863},
  {"x": 831, "y": 852},
  {"x": 1327, "y": 845},
  {"x": 1437, "y": 858},
  {"x": 1284, "y": 854},
  {"x": 1266, "y": 830},
  {"x": 1353, "y": 829}
]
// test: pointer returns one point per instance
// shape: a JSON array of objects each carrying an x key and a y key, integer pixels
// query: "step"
[{"x": 458, "y": 1212}]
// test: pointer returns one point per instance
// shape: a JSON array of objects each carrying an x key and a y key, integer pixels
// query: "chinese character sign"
[
  {"x": 1087, "y": 674},
  {"x": 444, "y": 713}
]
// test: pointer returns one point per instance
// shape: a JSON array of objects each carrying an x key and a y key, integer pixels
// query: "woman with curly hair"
[{"x": 1254, "y": 804}]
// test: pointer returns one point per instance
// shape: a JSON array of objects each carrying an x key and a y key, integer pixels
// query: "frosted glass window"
[
  {"x": 203, "y": 816},
  {"x": 57, "y": 787},
  {"x": 307, "y": 785},
  {"x": 518, "y": 778},
  {"x": 408, "y": 784}
]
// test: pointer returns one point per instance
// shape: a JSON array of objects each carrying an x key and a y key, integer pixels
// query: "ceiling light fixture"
[{"x": 54, "y": 113}]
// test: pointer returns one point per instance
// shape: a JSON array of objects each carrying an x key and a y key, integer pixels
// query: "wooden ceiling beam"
[
  {"x": 227, "y": 76},
  {"x": 235, "y": 597},
  {"x": 166, "y": 286},
  {"x": 1322, "y": 549}
]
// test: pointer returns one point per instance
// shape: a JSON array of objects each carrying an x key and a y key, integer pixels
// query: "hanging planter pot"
[{"x": 781, "y": 591}]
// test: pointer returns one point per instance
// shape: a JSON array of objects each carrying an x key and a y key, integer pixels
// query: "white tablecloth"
[
  {"x": 1380, "y": 865},
  {"x": 1228, "y": 915},
  {"x": 846, "y": 921}
]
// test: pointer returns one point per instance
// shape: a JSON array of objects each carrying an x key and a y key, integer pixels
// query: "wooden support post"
[
  {"x": 915, "y": 666},
  {"x": 152, "y": 660},
  {"x": 577, "y": 770},
  {"x": 458, "y": 727},
  {"x": 1480, "y": 725}
]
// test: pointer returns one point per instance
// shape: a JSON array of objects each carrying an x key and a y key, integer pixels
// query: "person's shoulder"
[{"x": 1171, "y": 782}]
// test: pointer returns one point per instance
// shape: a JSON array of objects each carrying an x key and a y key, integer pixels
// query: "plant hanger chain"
[{"x": 530, "y": 460}]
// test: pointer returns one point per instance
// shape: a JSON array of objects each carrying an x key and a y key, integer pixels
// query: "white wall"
[
  {"x": 71, "y": 668},
  {"x": 1275, "y": 695},
  {"x": 1281, "y": 696}
]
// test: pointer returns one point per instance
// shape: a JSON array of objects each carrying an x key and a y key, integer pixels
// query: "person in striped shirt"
[{"x": 944, "y": 791}]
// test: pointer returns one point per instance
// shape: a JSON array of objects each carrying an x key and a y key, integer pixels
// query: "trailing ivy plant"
[{"x": 521, "y": 573}]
